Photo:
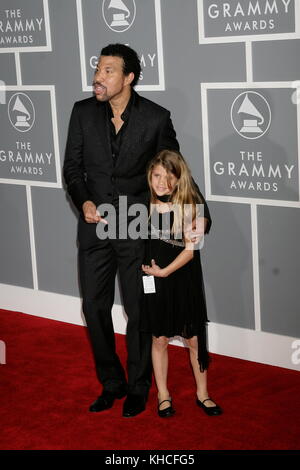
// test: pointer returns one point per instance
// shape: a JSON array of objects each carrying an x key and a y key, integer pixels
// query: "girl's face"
[{"x": 162, "y": 182}]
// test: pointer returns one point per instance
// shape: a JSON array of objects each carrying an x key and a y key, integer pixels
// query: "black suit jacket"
[{"x": 89, "y": 169}]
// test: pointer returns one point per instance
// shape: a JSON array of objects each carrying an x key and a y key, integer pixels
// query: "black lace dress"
[{"x": 178, "y": 306}]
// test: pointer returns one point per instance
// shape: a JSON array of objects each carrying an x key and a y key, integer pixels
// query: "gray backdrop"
[{"x": 191, "y": 56}]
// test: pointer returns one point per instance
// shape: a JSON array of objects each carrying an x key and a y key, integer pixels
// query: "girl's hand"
[{"x": 154, "y": 269}]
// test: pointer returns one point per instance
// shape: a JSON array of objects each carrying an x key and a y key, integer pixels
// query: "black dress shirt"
[{"x": 116, "y": 138}]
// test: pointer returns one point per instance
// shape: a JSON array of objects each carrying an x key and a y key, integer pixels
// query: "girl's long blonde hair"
[{"x": 184, "y": 196}]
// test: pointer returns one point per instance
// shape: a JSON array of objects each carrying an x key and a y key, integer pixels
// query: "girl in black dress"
[{"x": 175, "y": 302}]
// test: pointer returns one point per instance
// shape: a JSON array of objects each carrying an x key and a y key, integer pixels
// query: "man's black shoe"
[
  {"x": 106, "y": 400},
  {"x": 133, "y": 405}
]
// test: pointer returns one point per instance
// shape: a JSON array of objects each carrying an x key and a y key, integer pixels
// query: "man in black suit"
[{"x": 112, "y": 137}]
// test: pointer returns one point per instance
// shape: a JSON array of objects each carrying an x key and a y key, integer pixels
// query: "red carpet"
[{"x": 48, "y": 383}]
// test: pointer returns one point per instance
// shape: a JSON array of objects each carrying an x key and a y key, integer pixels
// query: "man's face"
[{"x": 109, "y": 80}]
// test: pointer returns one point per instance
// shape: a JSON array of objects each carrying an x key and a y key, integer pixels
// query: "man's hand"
[
  {"x": 154, "y": 270},
  {"x": 91, "y": 215}
]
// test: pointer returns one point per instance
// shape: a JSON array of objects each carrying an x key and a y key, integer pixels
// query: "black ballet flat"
[
  {"x": 209, "y": 410},
  {"x": 167, "y": 412}
]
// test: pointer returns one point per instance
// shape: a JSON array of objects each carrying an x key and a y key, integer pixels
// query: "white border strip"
[
  {"x": 249, "y": 61},
  {"x": 205, "y": 139},
  {"x": 18, "y": 68},
  {"x": 247, "y": 84},
  {"x": 297, "y": 83},
  {"x": 255, "y": 268},
  {"x": 51, "y": 89},
  {"x": 160, "y": 58},
  {"x": 48, "y": 47},
  {"x": 242, "y": 343},
  {"x": 250, "y": 37},
  {"x": 81, "y": 47},
  {"x": 55, "y": 136},
  {"x": 47, "y": 25},
  {"x": 245, "y": 200},
  {"x": 160, "y": 54},
  {"x": 32, "y": 237}
]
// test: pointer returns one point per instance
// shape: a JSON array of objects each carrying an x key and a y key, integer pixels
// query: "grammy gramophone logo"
[
  {"x": 119, "y": 15},
  {"x": 250, "y": 115},
  {"x": 21, "y": 112}
]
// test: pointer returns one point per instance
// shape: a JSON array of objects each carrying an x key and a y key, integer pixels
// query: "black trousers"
[{"x": 99, "y": 261}]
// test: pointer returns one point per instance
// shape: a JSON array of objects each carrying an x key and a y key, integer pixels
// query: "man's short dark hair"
[{"x": 130, "y": 58}]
